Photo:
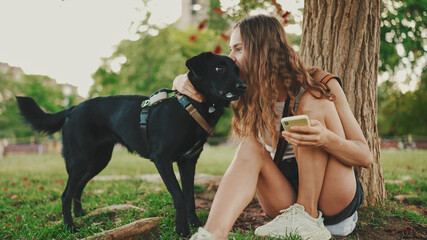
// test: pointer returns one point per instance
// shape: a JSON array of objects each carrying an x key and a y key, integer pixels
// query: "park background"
[{"x": 156, "y": 50}]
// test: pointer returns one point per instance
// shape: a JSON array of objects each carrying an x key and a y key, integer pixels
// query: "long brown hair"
[{"x": 269, "y": 66}]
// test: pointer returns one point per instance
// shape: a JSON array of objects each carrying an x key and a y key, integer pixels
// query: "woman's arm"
[
  {"x": 351, "y": 127},
  {"x": 184, "y": 86},
  {"x": 352, "y": 150}
]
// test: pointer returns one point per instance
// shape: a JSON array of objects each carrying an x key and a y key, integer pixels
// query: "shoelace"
[{"x": 292, "y": 211}]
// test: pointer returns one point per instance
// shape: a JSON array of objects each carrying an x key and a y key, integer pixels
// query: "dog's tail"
[{"x": 38, "y": 119}]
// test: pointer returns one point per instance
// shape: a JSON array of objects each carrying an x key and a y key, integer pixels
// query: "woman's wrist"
[{"x": 331, "y": 140}]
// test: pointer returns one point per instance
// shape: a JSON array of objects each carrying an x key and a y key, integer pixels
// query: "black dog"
[{"x": 91, "y": 129}]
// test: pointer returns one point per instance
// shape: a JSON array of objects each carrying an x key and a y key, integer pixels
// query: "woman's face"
[{"x": 236, "y": 47}]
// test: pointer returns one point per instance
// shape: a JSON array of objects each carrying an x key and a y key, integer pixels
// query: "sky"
[{"x": 67, "y": 39}]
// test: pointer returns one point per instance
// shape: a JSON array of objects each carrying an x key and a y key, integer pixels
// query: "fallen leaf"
[
  {"x": 24, "y": 178},
  {"x": 27, "y": 183},
  {"x": 41, "y": 188},
  {"x": 5, "y": 189},
  {"x": 14, "y": 197},
  {"x": 59, "y": 181}
]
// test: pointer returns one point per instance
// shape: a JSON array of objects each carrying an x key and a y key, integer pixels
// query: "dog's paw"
[
  {"x": 183, "y": 231},
  {"x": 72, "y": 228},
  {"x": 79, "y": 212},
  {"x": 195, "y": 222}
]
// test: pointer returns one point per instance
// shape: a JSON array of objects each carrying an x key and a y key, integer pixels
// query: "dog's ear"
[{"x": 197, "y": 64}]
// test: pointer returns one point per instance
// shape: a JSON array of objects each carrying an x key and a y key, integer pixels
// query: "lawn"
[{"x": 30, "y": 205}]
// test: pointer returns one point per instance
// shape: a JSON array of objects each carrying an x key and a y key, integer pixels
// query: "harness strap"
[
  {"x": 164, "y": 94},
  {"x": 199, "y": 119},
  {"x": 282, "y": 143},
  {"x": 195, "y": 114},
  {"x": 158, "y": 97}
]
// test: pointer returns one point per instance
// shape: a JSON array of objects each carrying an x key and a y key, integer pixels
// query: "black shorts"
[{"x": 289, "y": 168}]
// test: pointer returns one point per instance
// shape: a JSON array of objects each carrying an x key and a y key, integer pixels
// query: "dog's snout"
[{"x": 241, "y": 86}]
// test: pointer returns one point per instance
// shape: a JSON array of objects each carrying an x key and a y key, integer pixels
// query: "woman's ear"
[{"x": 198, "y": 64}]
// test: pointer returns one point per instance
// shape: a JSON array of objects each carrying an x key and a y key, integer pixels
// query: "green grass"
[
  {"x": 410, "y": 167},
  {"x": 403, "y": 171},
  {"x": 31, "y": 187}
]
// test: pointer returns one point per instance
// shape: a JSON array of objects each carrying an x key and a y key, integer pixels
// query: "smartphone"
[{"x": 298, "y": 120}]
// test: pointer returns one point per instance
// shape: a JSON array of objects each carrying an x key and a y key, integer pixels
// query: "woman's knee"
[
  {"x": 339, "y": 187},
  {"x": 315, "y": 108},
  {"x": 250, "y": 152}
]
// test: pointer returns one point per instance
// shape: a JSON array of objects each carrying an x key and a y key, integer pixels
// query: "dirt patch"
[{"x": 253, "y": 217}]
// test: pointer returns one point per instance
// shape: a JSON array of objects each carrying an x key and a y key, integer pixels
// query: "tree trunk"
[{"x": 343, "y": 37}]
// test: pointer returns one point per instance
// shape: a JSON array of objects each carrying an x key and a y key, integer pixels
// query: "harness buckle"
[{"x": 158, "y": 98}]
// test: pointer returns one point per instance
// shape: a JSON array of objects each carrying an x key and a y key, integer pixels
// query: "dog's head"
[{"x": 216, "y": 77}]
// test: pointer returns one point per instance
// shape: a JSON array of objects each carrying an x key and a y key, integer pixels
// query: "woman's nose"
[{"x": 231, "y": 55}]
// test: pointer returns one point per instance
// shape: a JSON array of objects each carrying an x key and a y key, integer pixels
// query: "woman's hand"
[
  {"x": 314, "y": 135},
  {"x": 184, "y": 86}
]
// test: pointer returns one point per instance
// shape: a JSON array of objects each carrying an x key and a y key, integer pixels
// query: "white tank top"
[{"x": 289, "y": 151}]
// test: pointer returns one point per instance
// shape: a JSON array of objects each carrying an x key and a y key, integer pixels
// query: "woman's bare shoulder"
[{"x": 309, "y": 101}]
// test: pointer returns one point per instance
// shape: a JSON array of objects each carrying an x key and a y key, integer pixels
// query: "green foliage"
[
  {"x": 222, "y": 21},
  {"x": 403, "y": 23},
  {"x": 44, "y": 90},
  {"x": 401, "y": 113},
  {"x": 152, "y": 62}
]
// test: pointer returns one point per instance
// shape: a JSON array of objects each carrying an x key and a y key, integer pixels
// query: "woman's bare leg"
[
  {"x": 323, "y": 181},
  {"x": 252, "y": 168}
]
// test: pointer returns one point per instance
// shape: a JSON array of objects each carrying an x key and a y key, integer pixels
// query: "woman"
[{"x": 323, "y": 154}]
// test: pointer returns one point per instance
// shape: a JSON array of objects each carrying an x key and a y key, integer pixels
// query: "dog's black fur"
[{"x": 91, "y": 129}]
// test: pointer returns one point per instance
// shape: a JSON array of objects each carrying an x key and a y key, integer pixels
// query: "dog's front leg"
[
  {"x": 187, "y": 168},
  {"x": 165, "y": 169}
]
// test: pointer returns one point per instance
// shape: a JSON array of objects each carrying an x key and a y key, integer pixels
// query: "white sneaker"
[
  {"x": 295, "y": 220},
  {"x": 202, "y": 234}
]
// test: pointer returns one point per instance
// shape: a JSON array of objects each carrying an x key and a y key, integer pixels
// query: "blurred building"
[
  {"x": 15, "y": 73},
  {"x": 193, "y": 12}
]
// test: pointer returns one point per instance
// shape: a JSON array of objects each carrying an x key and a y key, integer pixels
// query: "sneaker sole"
[{"x": 322, "y": 236}]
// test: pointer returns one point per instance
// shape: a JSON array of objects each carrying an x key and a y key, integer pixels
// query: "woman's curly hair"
[{"x": 270, "y": 65}]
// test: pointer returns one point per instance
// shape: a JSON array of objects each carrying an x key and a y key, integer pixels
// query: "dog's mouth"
[{"x": 232, "y": 95}]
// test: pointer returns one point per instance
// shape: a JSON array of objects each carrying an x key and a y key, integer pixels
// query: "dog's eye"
[{"x": 219, "y": 69}]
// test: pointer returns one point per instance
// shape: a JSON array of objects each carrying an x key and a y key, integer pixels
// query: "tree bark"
[{"x": 343, "y": 37}]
